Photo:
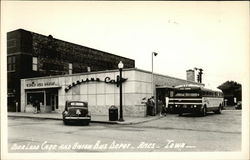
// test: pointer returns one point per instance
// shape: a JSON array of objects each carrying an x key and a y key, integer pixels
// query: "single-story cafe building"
[{"x": 100, "y": 90}]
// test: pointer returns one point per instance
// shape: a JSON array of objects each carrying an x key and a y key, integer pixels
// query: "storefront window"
[{"x": 32, "y": 96}]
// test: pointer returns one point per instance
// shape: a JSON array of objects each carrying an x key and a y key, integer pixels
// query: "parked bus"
[{"x": 195, "y": 99}]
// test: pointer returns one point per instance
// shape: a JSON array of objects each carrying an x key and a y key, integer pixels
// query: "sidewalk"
[{"x": 94, "y": 118}]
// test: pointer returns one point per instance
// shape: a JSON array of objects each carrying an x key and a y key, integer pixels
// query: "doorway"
[
  {"x": 52, "y": 99},
  {"x": 163, "y": 95}
]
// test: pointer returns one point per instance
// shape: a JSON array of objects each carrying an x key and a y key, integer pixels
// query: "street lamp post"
[
  {"x": 152, "y": 78},
  {"x": 120, "y": 66}
]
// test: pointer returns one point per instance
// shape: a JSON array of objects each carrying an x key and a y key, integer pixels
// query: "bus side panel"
[{"x": 212, "y": 102}]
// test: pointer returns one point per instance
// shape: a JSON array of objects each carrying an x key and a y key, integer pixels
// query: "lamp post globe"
[{"x": 120, "y": 65}]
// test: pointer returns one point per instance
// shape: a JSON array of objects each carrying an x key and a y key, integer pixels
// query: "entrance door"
[
  {"x": 54, "y": 101},
  {"x": 163, "y": 95}
]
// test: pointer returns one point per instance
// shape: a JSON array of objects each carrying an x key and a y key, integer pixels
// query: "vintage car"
[{"x": 76, "y": 111}]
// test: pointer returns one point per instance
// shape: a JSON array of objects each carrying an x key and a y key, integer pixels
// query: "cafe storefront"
[
  {"x": 46, "y": 92},
  {"x": 99, "y": 89}
]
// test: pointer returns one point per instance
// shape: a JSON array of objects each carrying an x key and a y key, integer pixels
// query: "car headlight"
[{"x": 194, "y": 106}]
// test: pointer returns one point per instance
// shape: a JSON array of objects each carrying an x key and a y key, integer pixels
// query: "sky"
[{"x": 213, "y": 36}]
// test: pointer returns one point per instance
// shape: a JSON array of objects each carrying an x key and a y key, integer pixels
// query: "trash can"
[{"x": 113, "y": 113}]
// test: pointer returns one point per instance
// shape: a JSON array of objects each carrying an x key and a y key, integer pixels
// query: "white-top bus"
[{"x": 195, "y": 99}]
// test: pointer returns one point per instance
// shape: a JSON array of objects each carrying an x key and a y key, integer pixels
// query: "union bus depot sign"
[
  {"x": 87, "y": 80},
  {"x": 34, "y": 84}
]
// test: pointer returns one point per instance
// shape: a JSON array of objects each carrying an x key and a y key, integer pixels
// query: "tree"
[{"x": 230, "y": 90}]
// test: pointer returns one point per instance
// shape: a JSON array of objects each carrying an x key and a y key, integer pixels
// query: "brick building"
[{"x": 31, "y": 54}]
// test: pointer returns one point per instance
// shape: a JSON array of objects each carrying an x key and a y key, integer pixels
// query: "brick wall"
[{"x": 54, "y": 56}]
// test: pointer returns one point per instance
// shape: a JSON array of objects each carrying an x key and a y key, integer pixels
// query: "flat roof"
[{"x": 110, "y": 71}]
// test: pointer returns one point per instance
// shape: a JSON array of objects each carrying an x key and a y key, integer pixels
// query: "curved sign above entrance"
[{"x": 87, "y": 80}]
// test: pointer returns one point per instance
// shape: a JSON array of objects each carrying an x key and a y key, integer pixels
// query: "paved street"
[{"x": 171, "y": 133}]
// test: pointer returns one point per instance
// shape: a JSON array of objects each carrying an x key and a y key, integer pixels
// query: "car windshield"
[{"x": 77, "y": 104}]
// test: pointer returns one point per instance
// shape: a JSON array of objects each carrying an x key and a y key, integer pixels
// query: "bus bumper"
[{"x": 190, "y": 109}]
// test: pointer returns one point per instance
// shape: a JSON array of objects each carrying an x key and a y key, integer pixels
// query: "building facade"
[
  {"x": 99, "y": 89},
  {"x": 31, "y": 54}
]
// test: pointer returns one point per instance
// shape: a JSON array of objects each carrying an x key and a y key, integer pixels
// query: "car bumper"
[{"x": 77, "y": 118}]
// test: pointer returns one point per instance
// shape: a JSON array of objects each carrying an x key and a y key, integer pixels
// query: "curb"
[
  {"x": 51, "y": 118},
  {"x": 143, "y": 121},
  {"x": 21, "y": 116},
  {"x": 92, "y": 121}
]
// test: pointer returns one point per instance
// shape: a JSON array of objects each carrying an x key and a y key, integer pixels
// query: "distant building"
[{"x": 31, "y": 54}]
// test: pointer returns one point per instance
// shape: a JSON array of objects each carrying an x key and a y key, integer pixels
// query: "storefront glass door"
[{"x": 54, "y": 101}]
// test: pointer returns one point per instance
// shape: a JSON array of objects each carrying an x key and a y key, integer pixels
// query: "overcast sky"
[{"x": 209, "y": 35}]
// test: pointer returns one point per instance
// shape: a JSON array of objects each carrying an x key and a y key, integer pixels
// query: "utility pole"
[
  {"x": 152, "y": 78},
  {"x": 199, "y": 75}
]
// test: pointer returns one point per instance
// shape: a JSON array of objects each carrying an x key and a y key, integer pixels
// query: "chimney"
[{"x": 190, "y": 75}]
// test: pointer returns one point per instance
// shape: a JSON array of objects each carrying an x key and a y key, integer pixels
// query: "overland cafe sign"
[{"x": 87, "y": 80}]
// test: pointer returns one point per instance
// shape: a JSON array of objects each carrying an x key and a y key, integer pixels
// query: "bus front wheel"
[{"x": 204, "y": 111}]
